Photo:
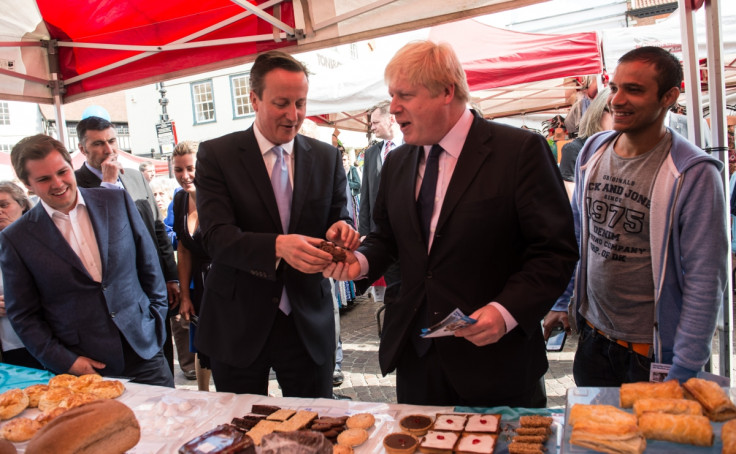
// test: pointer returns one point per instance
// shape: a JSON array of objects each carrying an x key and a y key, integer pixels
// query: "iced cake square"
[
  {"x": 437, "y": 441},
  {"x": 454, "y": 423},
  {"x": 483, "y": 423}
]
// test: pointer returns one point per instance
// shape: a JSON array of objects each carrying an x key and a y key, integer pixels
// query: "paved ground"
[{"x": 363, "y": 379}]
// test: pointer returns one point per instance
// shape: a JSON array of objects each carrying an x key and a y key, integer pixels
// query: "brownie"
[
  {"x": 261, "y": 409},
  {"x": 338, "y": 253},
  {"x": 246, "y": 422},
  {"x": 223, "y": 439}
]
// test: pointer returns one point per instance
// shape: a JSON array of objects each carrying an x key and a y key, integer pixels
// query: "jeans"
[{"x": 602, "y": 362}]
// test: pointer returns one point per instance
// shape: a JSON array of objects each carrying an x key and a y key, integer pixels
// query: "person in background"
[
  {"x": 148, "y": 170},
  {"x": 194, "y": 262},
  {"x": 650, "y": 217},
  {"x": 596, "y": 118},
  {"x": 353, "y": 191},
  {"x": 266, "y": 198},
  {"x": 99, "y": 145},
  {"x": 13, "y": 204},
  {"x": 83, "y": 285},
  {"x": 477, "y": 214}
]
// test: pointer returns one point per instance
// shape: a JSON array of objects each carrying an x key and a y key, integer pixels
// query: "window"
[
  {"x": 203, "y": 101},
  {"x": 6, "y": 147},
  {"x": 4, "y": 113},
  {"x": 241, "y": 96}
]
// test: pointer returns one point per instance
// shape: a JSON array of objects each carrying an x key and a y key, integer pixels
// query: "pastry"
[
  {"x": 540, "y": 431},
  {"x": 62, "y": 381},
  {"x": 483, "y": 423},
  {"x": 76, "y": 399},
  {"x": 222, "y": 439},
  {"x": 475, "y": 443},
  {"x": 728, "y": 437},
  {"x": 34, "y": 393},
  {"x": 342, "y": 449},
  {"x": 535, "y": 421},
  {"x": 12, "y": 403},
  {"x": 106, "y": 389},
  {"x": 603, "y": 414},
  {"x": 53, "y": 397},
  {"x": 534, "y": 439},
  {"x": 261, "y": 429},
  {"x": 352, "y": 437},
  {"x": 417, "y": 425},
  {"x": 688, "y": 429},
  {"x": 100, "y": 427},
  {"x": 671, "y": 406},
  {"x": 715, "y": 401},
  {"x": 608, "y": 438},
  {"x": 338, "y": 253},
  {"x": 400, "y": 443},
  {"x": 302, "y": 442},
  {"x": 360, "y": 421},
  {"x": 454, "y": 423},
  {"x": 631, "y": 392},
  {"x": 45, "y": 418},
  {"x": 83, "y": 381},
  {"x": 20, "y": 429},
  {"x": 438, "y": 442}
]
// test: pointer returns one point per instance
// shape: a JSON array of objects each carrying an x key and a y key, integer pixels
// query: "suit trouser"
[
  {"x": 297, "y": 374},
  {"x": 154, "y": 371}
]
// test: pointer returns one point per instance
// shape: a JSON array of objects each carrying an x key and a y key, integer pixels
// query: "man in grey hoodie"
[{"x": 650, "y": 217}]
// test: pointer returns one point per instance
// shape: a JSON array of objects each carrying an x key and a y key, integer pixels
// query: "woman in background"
[
  {"x": 13, "y": 204},
  {"x": 193, "y": 260}
]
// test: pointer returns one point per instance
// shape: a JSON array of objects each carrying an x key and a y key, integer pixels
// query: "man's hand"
[
  {"x": 83, "y": 365},
  {"x": 343, "y": 235},
  {"x": 186, "y": 309},
  {"x": 173, "y": 291},
  {"x": 302, "y": 253},
  {"x": 110, "y": 168},
  {"x": 3, "y": 313},
  {"x": 343, "y": 271},
  {"x": 489, "y": 328},
  {"x": 554, "y": 319}
]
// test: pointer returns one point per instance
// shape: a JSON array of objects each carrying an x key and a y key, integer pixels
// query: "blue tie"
[
  {"x": 427, "y": 192},
  {"x": 282, "y": 190}
]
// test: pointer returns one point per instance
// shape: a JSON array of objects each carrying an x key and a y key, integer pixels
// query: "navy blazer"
[
  {"x": 504, "y": 234},
  {"x": 240, "y": 221},
  {"x": 59, "y": 311}
]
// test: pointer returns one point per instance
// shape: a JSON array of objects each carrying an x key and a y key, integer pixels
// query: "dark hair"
[
  {"x": 91, "y": 124},
  {"x": 668, "y": 67},
  {"x": 16, "y": 193},
  {"x": 34, "y": 148},
  {"x": 267, "y": 62}
]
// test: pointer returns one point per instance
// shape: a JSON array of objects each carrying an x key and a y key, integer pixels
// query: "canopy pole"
[
  {"x": 692, "y": 73},
  {"x": 719, "y": 141},
  {"x": 56, "y": 85}
]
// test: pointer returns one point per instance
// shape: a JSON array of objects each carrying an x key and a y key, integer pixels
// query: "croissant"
[
  {"x": 631, "y": 392},
  {"x": 608, "y": 438},
  {"x": 603, "y": 414},
  {"x": 715, "y": 401},
  {"x": 688, "y": 429},
  {"x": 671, "y": 406}
]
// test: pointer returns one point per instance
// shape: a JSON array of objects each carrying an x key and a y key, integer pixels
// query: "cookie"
[
  {"x": 299, "y": 421},
  {"x": 342, "y": 449},
  {"x": 361, "y": 421},
  {"x": 281, "y": 415},
  {"x": 535, "y": 421},
  {"x": 352, "y": 437}
]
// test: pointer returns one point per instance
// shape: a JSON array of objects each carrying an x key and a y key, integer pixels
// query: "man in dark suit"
[
  {"x": 479, "y": 211},
  {"x": 83, "y": 287},
  {"x": 266, "y": 305},
  {"x": 98, "y": 142}
]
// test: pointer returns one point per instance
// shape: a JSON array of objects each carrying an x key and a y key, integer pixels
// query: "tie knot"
[
  {"x": 435, "y": 150},
  {"x": 279, "y": 151}
]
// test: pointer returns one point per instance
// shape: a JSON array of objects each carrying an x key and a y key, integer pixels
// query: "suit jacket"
[
  {"x": 240, "y": 221},
  {"x": 140, "y": 191},
  {"x": 504, "y": 234},
  {"x": 55, "y": 306},
  {"x": 369, "y": 189}
]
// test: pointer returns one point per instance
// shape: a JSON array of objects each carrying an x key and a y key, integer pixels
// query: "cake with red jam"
[
  {"x": 475, "y": 444},
  {"x": 438, "y": 442},
  {"x": 417, "y": 425},
  {"x": 483, "y": 423},
  {"x": 451, "y": 422}
]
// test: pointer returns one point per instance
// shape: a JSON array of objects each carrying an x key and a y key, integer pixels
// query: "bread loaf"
[{"x": 99, "y": 427}]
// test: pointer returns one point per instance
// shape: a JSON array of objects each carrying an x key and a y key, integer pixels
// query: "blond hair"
[{"x": 432, "y": 65}]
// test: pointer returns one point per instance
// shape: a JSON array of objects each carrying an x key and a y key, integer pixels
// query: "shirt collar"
[
  {"x": 51, "y": 211},
  {"x": 454, "y": 140},
  {"x": 97, "y": 172},
  {"x": 265, "y": 145}
]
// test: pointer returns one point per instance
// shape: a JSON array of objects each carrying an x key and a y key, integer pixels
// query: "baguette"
[
  {"x": 688, "y": 429},
  {"x": 99, "y": 427}
]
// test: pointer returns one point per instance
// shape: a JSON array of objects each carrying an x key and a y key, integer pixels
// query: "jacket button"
[
  {"x": 112, "y": 314},
  {"x": 429, "y": 275},
  {"x": 104, "y": 288}
]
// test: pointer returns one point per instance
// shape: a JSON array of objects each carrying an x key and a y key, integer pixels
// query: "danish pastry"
[{"x": 12, "y": 403}]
